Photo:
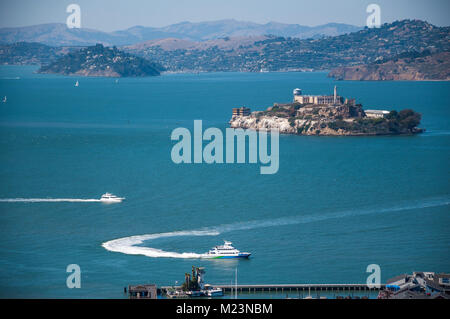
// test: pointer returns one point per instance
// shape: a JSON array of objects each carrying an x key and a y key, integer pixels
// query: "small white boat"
[
  {"x": 194, "y": 293},
  {"x": 225, "y": 251},
  {"x": 110, "y": 198},
  {"x": 211, "y": 291},
  {"x": 76, "y": 83},
  {"x": 4, "y": 99}
]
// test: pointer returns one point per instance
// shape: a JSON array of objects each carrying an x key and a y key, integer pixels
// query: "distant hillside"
[
  {"x": 290, "y": 54},
  {"x": 268, "y": 53},
  {"x": 173, "y": 44},
  {"x": 232, "y": 28},
  {"x": 28, "y": 53},
  {"x": 101, "y": 61},
  {"x": 407, "y": 66},
  {"x": 57, "y": 34}
]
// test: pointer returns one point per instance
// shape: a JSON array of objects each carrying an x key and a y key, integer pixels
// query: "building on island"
[
  {"x": 241, "y": 111},
  {"x": 334, "y": 99},
  {"x": 376, "y": 113}
]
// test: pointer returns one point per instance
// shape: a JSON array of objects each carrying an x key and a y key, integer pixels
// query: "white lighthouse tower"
[{"x": 335, "y": 95}]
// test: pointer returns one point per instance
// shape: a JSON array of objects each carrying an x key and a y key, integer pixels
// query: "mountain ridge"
[
  {"x": 57, "y": 34},
  {"x": 293, "y": 54}
]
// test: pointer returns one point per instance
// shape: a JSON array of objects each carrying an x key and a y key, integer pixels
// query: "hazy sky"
[{"x": 110, "y": 15}]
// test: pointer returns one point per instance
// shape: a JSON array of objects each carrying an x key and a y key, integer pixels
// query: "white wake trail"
[
  {"x": 38, "y": 200},
  {"x": 129, "y": 245}
]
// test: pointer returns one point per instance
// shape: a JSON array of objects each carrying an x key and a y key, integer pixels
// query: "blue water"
[{"x": 336, "y": 205}]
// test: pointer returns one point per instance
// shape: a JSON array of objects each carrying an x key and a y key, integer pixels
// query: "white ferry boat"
[
  {"x": 225, "y": 251},
  {"x": 110, "y": 198}
]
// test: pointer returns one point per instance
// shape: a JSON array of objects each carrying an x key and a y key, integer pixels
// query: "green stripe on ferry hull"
[{"x": 226, "y": 257}]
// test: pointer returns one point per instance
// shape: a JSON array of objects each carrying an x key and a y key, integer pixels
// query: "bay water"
[{"x": 336, "y": 205}]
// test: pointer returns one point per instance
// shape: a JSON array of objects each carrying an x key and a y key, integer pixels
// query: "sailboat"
[
  {"x": 4, "y": 99},
  {"x": 76, "y": 83}
]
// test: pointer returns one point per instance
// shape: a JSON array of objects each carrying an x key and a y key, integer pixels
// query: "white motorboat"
[
  {"x": 110, "y": 198},
  {"x": 211, "y": 291}
]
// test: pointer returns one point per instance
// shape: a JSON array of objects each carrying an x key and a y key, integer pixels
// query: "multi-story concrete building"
[
  {"x": 334, "y": 99},
  {"x": 241, "y": 111}
]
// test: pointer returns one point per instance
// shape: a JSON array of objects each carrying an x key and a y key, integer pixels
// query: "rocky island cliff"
[
  {"x": 409, "y": 66},
  {"x": 342, "y": 117}
]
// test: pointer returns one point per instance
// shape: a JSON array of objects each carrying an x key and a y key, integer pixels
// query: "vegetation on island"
[
  {"x": 403, "y": 122},
  {"x": 102, "y": 61}
]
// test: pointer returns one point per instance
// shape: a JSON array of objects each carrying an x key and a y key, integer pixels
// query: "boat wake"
[
  {"x": 38, "y": 200},
  {"x": 130, "y": 245}
]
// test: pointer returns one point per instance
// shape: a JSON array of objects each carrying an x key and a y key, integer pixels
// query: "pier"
[{"x": 285, "y": 288}]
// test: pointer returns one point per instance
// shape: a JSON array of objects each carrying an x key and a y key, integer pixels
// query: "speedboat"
[
  {"x": 110, "y": 198},
  {"x": 225, "y": 251}
]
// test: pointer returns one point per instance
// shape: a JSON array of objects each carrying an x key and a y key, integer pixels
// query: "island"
[
  {"x": 100, "y": 61},
  {"x": 327, "y": 115}
]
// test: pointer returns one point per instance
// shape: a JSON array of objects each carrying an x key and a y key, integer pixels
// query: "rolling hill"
[{"x": 57, "y": 34}]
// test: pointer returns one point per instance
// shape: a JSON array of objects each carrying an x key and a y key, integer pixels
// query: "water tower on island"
[{"x": 297, "y": 92}]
